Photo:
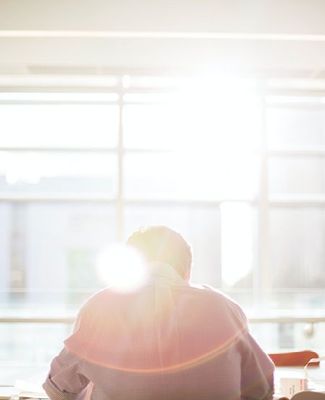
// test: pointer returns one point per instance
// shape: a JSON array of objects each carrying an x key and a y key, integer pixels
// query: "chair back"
[
  {"x": 309, "y": 396},
  {"x": 294, "y": 358}
]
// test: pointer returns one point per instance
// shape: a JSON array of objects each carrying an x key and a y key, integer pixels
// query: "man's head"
[{"x": 162, "y": 244}]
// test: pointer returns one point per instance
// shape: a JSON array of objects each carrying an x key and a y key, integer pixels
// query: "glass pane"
[
  {"x": 58, "y": 125},
  {"x": 197, "y": 175},
  {"x": 297, "y": 175},
  {"x": 48, "y": 253},
  {"x": 295, "y": 127},
  {"x": 303, "y": 300},
  {"x": 297, "y": 251},
  {"x": 199, "y": 226},
  {"x": 57, "y": 172},
  {"x": 238, "y": 245},
  {"x": 27, "y": 349},
  {"x": 149, "y": 126},
  {"x": 194, "y": 121},
  {"x": 275, "y": 337}
]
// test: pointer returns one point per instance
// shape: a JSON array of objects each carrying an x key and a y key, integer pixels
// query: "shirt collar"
[{"x": 165, "y": 273}]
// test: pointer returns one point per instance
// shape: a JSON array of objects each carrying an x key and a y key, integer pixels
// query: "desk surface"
[{"x": 316, "y": 377}]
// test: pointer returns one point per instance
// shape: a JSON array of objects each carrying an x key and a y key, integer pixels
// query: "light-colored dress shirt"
[{"x": 167, "y": 341}]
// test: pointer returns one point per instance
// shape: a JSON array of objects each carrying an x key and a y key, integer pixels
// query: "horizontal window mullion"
[
  {"x": 59, "y": 149},
  {"x": 280, "y": 319},
  {"x": 185, "y": 202},
  {"x": 31, "y": 198},
  {"x": 81, "y": 149},
  {"x": 297, "y": 201},
  {"x": 297, "y": 152},
  {"x": 57, "y": 102},
  {"x": 62, "y": 198}
]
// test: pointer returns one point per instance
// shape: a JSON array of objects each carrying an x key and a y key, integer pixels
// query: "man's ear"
[{"x": 187, "y": 276}]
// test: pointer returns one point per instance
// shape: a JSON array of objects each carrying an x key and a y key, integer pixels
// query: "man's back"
[{"x": 168, "y": 340}]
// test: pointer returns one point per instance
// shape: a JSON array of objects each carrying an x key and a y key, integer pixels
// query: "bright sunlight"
[{"x": 122, "y": 268}]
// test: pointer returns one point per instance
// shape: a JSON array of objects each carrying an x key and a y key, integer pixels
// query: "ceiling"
[{"x": 274, "y": 38}]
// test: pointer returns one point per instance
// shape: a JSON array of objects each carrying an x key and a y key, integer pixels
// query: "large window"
[{"x": 238, "y": 172}]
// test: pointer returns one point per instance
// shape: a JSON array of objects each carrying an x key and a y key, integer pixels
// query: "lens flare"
[{"x": 122, "y": 268}]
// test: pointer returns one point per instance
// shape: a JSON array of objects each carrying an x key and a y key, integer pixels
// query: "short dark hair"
[{"x": 159, "y": 243}]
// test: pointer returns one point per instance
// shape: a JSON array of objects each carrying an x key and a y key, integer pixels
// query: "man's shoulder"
[
  {"x": 210, "y": 291},
  {"x": 98, "y": 300},
  {"x": 216, "y": 296}
]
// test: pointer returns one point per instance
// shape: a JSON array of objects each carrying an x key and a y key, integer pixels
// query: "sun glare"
[
  {"x": 212, "y": 140},
  {"x": 121, "y": 268}
]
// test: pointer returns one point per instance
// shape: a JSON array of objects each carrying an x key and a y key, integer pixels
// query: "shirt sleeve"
[
  {"x": 257, "y": 371},
  {"x": 65, "y": 381}
]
